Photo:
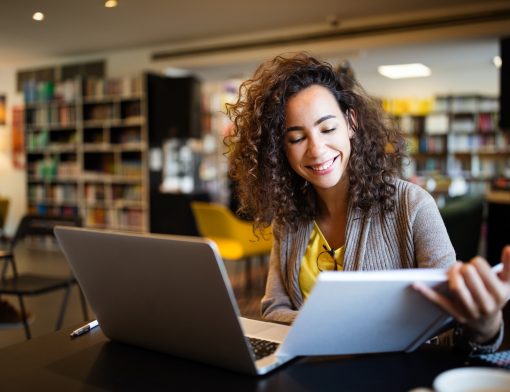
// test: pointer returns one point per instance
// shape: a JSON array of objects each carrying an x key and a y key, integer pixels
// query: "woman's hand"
[{"x": 478, "y": 295}]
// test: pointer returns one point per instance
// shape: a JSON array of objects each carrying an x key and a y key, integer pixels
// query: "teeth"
[{"x": 323, "y": 166}]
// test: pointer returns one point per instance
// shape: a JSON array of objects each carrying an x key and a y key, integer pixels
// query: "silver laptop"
[{"x": 169, "y": 294}]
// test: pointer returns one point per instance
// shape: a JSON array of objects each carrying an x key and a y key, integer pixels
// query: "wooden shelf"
[
  {"x": 88, "y": 156},
  {"x": 459, "y": 138}
]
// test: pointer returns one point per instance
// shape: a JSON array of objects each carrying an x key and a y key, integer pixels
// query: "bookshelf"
[
  {"x": 451, "y": 137},
  {"x": 86, "y": 151},
  {"x": 479, "y": 150},
  {"x": 216, "y": 126}
]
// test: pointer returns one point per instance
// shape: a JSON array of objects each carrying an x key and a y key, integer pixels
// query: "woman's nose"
[{"x": 315, "y": 146}]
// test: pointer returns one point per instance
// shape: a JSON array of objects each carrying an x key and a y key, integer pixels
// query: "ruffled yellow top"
[{"x": 318, "y": 257}]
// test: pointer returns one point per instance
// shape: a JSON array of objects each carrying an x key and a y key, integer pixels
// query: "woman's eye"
[
  {"x": 296, "y": 140},
  {"x": 328, "y": 130}
]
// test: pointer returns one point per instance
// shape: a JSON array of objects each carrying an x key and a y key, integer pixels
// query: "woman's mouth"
[{"x": 324, "y": 166}]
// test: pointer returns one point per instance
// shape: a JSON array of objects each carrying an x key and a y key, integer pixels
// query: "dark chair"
[
  {"x": 4, "y": 208},
  {"x": 463, "y": 218},
  {"x": 30, "y": 284},
  {"x": 498, "y": 229}
]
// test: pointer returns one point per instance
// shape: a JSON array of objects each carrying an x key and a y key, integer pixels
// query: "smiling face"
[{"x": 317, "y": 138}]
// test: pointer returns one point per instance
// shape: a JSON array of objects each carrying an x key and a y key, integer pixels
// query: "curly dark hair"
[{"x": 267, "y": 187}]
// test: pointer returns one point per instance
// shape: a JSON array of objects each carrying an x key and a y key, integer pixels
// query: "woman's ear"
[{"x": 352, "y": 124}]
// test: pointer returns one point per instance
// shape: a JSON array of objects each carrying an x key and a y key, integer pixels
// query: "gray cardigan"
[{"x": 412, "y": 236}]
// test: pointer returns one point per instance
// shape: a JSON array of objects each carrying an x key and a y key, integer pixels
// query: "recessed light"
[
  {"x": 38, "y": 16},
  {"x": 111, "y": 3},
  {"x": 400, "y": 71},
  {"x": 497, "y": 61}
]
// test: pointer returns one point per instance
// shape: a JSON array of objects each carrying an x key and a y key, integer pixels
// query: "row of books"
[
  {"x": 127, "y": 86},
  {"x": 126, "y": 135},
  {"x": 66, "y": 91},
  {"x": 480, "y": 143},
  {"x": 100, "y": 112},
  {"x": 474, "y": 123},
  {"x": 443, "y": 123},
  {"x": 47, "y": 209},
  {"x": 130, "y": 168},
  {"x": 482, "y": 168},
  {"x": 53, "y": 115},
  {"x": 71, "y": 90},
  {"x": 131, "y": 109},
  {"x": 57, "y": 193},
  {"x": 52, "y": 168},
  {"x": 467, "y": 104},
  {"x": 426, "y": 144},
  {"x": 132, "y": 192},
  {"x": 127, "y": 218},
  {"x": 113, "y": 192},
  {"x": 95, "y": 192},
  {"x": 431, "y": 165},
  {"x": 37, "y": 141}
]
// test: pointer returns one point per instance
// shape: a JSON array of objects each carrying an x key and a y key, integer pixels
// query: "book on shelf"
[
  {"x": 487, "y": 122},
  {"x": 463, "y": 124},
  {"x": 437, "y": 124}
]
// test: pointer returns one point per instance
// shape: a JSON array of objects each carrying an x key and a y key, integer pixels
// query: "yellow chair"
[{"x": 233, "y": 236}]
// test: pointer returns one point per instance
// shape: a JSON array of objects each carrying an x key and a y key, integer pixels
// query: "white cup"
[{"x": 473, "y": 379}]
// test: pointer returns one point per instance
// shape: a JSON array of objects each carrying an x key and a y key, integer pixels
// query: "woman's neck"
[
  {"x": 333, "y": 202},
  {"x": 332, "y": 214}
]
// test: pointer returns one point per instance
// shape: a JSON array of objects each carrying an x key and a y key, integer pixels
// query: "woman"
[{"x": 313, "y": 155}]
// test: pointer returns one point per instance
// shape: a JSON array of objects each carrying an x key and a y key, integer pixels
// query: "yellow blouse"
[{"x": 318, "y": 254}]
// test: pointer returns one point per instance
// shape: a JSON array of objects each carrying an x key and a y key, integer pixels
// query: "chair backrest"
[
  {"x": 463, "y": 219},
  {"x": 4, "y": 208},
  {"x": 35, "y": 225},
  {"x": 42, "y": 225},
  {"x": 214, "y": 219},
  {"x": 217, "y": 221}
]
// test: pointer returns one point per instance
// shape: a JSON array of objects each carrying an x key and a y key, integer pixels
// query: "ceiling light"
[
  {"x": 497, "y": 61},
  {"x": 111, "y": 3},
  {"x": 38, "y": 16},
  {"x": 400, "y": 71}
]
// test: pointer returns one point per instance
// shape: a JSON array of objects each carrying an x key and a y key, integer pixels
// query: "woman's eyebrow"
[
  {"x": 320, "y": 120},
  {"x": 294, "y": 128}
]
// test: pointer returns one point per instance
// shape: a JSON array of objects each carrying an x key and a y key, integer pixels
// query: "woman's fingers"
[
  {"x": 439, "y": 300},
  {"x": 496, "y": 288},
  {"x": 476, "y": 290},
  {"x": 477, "y": 295},
  {"x": 483, "y": 288},
  {"x": 461, "y": 294}
]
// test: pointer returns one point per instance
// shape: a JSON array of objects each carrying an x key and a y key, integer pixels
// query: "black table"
[{"x": 91, "y": 362}]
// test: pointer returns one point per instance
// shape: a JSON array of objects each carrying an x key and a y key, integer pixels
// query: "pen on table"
[{"x": 86, "y": 328}]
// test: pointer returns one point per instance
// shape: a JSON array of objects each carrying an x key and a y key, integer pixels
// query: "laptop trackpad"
[{"x": 264, "y": 330}]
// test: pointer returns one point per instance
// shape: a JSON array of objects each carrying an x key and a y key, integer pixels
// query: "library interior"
[{"x": 116, "y": 122}]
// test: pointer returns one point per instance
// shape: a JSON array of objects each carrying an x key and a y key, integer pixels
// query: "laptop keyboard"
[{"x": 262, "y": 348}]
